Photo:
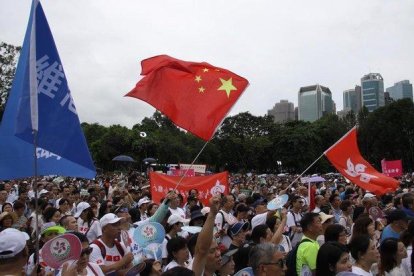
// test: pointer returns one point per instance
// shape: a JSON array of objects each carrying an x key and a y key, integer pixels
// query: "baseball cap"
[
  {"x": 43, "y": 191},
  {"x": 109, "y": 219},
  {"x": 50, "y": 227},
  {"x": 368, "y": 195},
  {"x": 12, "y": 242},
  {"x": 143, "y": 201},
  {"x": 324, "y": 217},
  {"x": 173, "y": 219},
  {"x": 237, "y": 227},
  {"x": 82, "y": 206},
  {"x": 196, "y": 214}
]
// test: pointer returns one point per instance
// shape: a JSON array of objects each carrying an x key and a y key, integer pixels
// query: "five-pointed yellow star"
[
  {"x": 205, "y": 70},
  {"x": 201, "y": 89},
  {"x": 198, "y": 78},
  {"x": 227, "y": 85}
]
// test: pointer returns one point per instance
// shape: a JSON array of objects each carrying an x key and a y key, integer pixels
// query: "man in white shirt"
[
  {"x": 294, "y": 217},
  {"x": 225, "y": 219},
  {"x": 110, "y": 254},
  {"x": 319, "y": 201},
  {"x": 175, "y": 209}
]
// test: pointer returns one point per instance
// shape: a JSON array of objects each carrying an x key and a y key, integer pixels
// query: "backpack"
[
  {"x": 103, "y": 249},
  {"x": 291, "y": 234},
  {"x": 291, "y": 259}
]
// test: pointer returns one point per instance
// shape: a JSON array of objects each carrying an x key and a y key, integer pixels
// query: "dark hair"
[
  {"x": 192, "y": 243},
  {"x": 63, "y": 201},
  {"x": 150, "y": 207},
  {"x": 307, "y": 220},
  {"x": 103, "y": 209},
  {"x": 345, "y": 204},
  {"x": 260, "y": 231},
  {"x": 174, "y": 245},
  {"x": 359, "y": 246},
  {"x": 332, "y": 197},
  {"x": 407, "y": 200},
  {"x": 49, "y": 212},
  {"x": 328, "y": 255},
  {"x": 135, "y": 214},
  {"x": 407, "y": 237},
  {"x": 178, "y": 270},
  {"x": 5, "y": 204},
  {"x": 295, "y": 198},
  {"x": 80, "y": 236},
  {"x": 361, "y": 225},
  {"x": 18, "y": 205},
  {"x": 333, "y": 231},
  {"x": 90, "y": 216},
  {"x": 271, "y": 222},
  {"x": 388, "y": 250}
]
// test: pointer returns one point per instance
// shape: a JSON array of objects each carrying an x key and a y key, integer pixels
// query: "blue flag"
[{"x": 40, "y": 100}]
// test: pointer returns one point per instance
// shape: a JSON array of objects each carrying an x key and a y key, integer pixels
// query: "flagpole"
[
  {"x": 305, "y": 171},
  {"x": 192, "y": 163},
  {"x": 36, "y": 261}
]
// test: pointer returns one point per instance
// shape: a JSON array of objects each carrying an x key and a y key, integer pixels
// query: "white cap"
[
  {"x": 259, "y": 219},
  {"x": 43, "y": 191},
  {"x": 324, "y": 217},
  {"x": 369, "y": 195},
  {"x": 12, "y": 242},
  {"x": 82, "y": 206},
  {"x": 143, "y": 201},
  {"x": 173, "y": 219},
  {"x": 109, "y": 219}
]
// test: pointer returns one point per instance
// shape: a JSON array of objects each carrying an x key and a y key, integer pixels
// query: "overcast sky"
[{"x": 278, "y": 46}]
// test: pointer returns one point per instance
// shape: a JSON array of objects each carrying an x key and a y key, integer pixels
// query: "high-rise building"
[
  {"x": 283, "y": 111},
  {"x": 352, "y": 99},
  {"x": 314, "y": 102},
  {"x": 372, "y": 90},
  {"x": 401, "y": 90}
]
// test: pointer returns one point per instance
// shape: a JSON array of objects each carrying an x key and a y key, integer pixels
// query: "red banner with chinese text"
[
  {"x": 207, "y": 186},
  {"x": 392, "y": 168}
]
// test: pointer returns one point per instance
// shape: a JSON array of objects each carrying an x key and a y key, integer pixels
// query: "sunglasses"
[{"x": 86, "y": 251}]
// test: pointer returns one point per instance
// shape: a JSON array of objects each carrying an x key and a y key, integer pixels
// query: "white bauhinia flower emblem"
[
  {"x": 217, "y": 189},
  {"x": 358, "y": 170}
]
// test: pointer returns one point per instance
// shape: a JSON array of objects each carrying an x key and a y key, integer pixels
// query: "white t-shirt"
[
  {"x": 164, "y": 246},
  {"x": 173, "y": 264},
  {"x": 178, "y": 211},
  {"x": 406, "y": 262},
  {"x": 291, "y": 218},
  {"x": 97, "y": 271},
  {"x": 360, "y": 271},
  {"x": 112, "y": 254},
  {"x": 94, "y": 232},
  {"x": 31, "y": 265},
  {"x": 224, "y": 221}
]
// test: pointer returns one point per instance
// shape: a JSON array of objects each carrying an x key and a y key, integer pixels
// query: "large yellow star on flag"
[{"x": 227, "y": 85}]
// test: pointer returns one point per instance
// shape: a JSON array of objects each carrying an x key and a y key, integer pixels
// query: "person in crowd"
[
  {"x": 392, "y": 253},
  {"x": 408, "y": 205},
  {"x": 105, "y": 208},
  {"x": 333, "y": 258},
  {"x": 265, "y": 259},
  {"x": 6, "y": 220},
  {"x": 242, "y": 212},
  {"x": 326, "y": 220},
  {"x": 397, "y": 223},
  {"x": 335, "y": 201},
  {"x": 69, "y": 222},
  {"x": 152, "y": 208},
  {"x": 64, "y": 207},
  {"x": 82, "y": 266},
  {"x": 178, "y": 254},
  {"x": 109, "y": 253},
  {"x": 51, "y": 214},
  {"x": 308, "y": 251},
  {"x": 7, "y": 207},
  {"x": 346, "y": 218},
  {"x": 13, "y": 252},
  {"x": 3, "y": 199},
  {"x": 364, "y": 225},
  {"x": 225, "y": 219},
  {"x": 277, "y": 224},
  {"x": 142, "y": 206},
  {"x": 21, "y": 222},
  {"x": 88, "y": 224},
  {"x": 365, "y": 254},
  {"x": 319, "y": 202},
  {"x": 227, "y": 262},
  {"x": 294, "y": 216},
  {"x": 197, "y": 218},
  {"x": 237, "y": 233},
  {"x": 336, "y": 233},
  {"x": 172, "y": 228},
  {"x": 407, "y": 237}
]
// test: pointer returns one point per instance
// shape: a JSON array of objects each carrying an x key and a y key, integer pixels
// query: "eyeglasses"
[
  {"x": 86, "y": 251},
  {"x": 281, "y": 263}
]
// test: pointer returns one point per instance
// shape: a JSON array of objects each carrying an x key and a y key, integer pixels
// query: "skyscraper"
[
  {"x": 314, "y": 102},
  {"x": 401, "y": 90},
  {"x": 352, "y": 99},
  {"x": 372, "y": 86},
  {"x": 283, "y": 111}
]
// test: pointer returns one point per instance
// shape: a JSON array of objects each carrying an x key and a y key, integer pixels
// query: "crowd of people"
[{"x": 337, "y": 228}]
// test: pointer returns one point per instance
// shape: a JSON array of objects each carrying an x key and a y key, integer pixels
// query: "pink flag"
[{"x": 392, "y": 168}]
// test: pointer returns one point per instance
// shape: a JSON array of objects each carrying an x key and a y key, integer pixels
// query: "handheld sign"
[
  {"x": 61, "y": 249},
  {"x": 278, "y": 202},
  {"x": 150, "y": 236},
  {"x": 247, "y": 271}
]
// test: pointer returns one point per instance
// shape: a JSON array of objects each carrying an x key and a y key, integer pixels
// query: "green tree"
[{"x": 8, "y": 58}]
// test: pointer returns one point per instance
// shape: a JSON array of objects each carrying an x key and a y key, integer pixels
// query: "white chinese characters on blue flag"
[{"x": 40, "y": 100}]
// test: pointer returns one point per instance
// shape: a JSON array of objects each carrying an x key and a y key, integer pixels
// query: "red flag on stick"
[
  {"x": 195, "y": 96},
  {"x": 207, "y": 186},
  {"x": 347, "y": 159}
]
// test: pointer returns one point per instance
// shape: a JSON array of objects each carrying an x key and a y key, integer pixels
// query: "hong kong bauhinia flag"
[
  {"x": 347, "y": 159},
  {"x": 196, "y": 96}
]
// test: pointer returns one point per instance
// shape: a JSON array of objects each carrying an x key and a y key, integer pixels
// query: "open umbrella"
[
  {"x": 149, "y": 160},
  {"x": 123, "y": 158}
]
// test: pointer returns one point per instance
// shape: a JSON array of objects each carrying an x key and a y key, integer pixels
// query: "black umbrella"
[
  {"x": 123, "y": 158},
  {"x": 149, "y": 160}
]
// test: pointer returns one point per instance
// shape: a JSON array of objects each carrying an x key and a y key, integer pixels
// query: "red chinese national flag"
[
  {"x": 347, "y": 159},
  {"x": 195, "y": 96},
  {"x": 207, "y": 186}
]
